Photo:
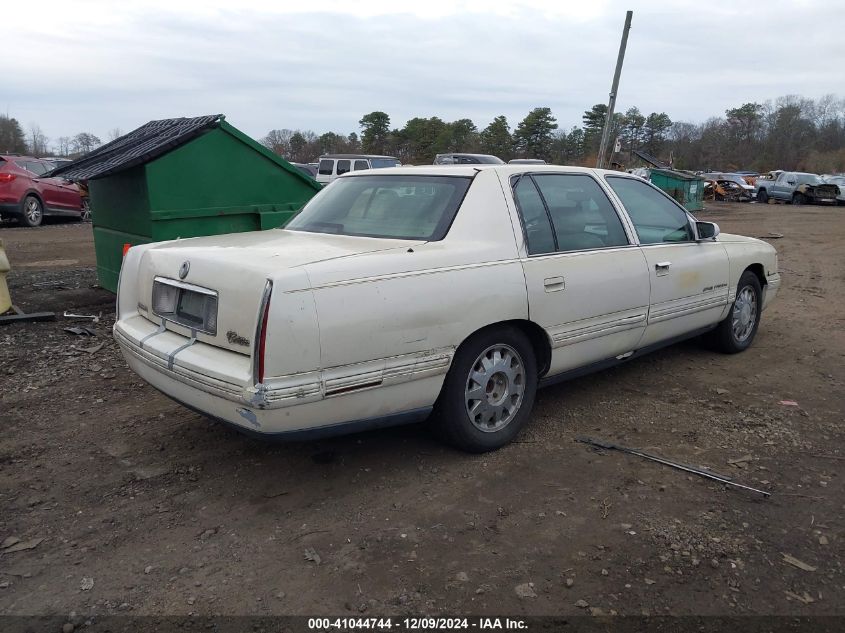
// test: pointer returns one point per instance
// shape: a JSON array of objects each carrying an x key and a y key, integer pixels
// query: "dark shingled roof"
[{"x": 140, "y": 146}]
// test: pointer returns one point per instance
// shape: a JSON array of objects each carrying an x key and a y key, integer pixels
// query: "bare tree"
[
  {"x": 38, "y": 141},
  {"x": 63, "y": 145},
  {"x": 278, "y": 141},
  {"x": 114, "y": 133},
  {"x": 84, "y": 142}
]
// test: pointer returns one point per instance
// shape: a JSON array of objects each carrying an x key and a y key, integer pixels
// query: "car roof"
[
  {"x": 469, "y": 155},
  {"x": 471, "y": 170},
  {"x": 18, "y": 156},
  {"x": 356, "y": 156}
]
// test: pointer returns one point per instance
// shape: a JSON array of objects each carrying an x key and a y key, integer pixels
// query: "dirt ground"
[{"x": 128, "y": 503}]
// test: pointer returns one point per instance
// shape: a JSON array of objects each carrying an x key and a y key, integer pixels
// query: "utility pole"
[{"x": 612, "y": 102}]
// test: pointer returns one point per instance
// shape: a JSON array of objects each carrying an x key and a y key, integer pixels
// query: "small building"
[{"x": 179, "y": 178}]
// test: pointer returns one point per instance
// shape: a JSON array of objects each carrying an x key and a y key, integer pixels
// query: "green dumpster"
[
  {"x": 183, "y": 178},
  {"x": 685, "y": 188}
]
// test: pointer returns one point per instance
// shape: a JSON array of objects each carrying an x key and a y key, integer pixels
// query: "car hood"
[{"x": 730, "y": 237}]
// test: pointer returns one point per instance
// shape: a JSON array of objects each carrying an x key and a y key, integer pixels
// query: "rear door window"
[
  {"x": 656, "y": 217},
  {"x": 538, "y": 227},
  {"x": 342, "y": 167},
  {"x": 581, "y": 213},
  {"x": 361, "y": 164}
]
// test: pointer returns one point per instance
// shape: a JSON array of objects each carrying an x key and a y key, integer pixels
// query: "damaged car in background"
[
  {"x": 727, "y": 187},
  {"x": 796, "y": 188},
  {"x": 448, "y": 292},
  {"x": 839, "y": 181}
]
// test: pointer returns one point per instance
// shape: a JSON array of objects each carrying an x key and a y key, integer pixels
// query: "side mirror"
[{"x": 707, "y": 230}]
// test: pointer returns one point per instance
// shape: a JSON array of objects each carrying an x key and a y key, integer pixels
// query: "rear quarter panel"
[{"x": 428, "y": 298}]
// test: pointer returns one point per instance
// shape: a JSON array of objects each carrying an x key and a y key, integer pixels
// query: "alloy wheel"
[
  {"x": 495, "y": 388},
  {"x": 744, "y": 315},
  {"x": 33, "y": 210}
]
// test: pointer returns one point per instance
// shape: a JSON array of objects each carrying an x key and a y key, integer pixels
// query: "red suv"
[{"x": 28, "y": 196}]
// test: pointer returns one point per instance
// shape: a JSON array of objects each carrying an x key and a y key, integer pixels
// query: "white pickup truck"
[{"x": 797, "y": 188}]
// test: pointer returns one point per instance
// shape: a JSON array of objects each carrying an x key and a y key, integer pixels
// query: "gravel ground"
[{"x": 113, "y": 499}]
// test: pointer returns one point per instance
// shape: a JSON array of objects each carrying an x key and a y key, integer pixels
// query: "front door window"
[{"x": 656, "y": 217}]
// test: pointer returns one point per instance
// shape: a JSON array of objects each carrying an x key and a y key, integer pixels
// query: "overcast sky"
[{"x": 322, "y": 64}]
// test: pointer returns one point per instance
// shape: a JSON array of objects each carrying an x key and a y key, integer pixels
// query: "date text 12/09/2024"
[{"x": 415, "y": 624}]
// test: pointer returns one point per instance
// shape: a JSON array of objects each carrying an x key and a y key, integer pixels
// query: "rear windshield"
[
  {"x": 400, "y": 207},
  {"x": 380, "y": 163}
]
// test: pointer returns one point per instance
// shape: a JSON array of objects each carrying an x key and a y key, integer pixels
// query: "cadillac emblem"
[{"x": 184, "y": 268}]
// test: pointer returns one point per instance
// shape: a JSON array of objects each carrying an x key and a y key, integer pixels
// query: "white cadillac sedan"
[{"x": 451, "y": 292}]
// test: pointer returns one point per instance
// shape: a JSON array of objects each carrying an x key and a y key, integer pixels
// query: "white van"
[{"x": 333, "y": 165}]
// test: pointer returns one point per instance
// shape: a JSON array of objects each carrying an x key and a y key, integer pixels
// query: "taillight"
[
  {"x": 6, "y": 178},
  {"x": 262, "y": 344},
  {"x": 261, "y": 334}
]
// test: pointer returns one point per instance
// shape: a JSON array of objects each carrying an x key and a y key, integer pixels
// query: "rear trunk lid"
[{"x": 236, "y": 268}]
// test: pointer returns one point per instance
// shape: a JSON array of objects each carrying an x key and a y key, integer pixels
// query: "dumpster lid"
[
  {"x": 651, "y": 160},
  {"x": 139, "y": 146},
  {"x": 672, "y": 173}
]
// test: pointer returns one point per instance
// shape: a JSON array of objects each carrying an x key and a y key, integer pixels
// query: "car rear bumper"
[{"x": 293, "y": 406}]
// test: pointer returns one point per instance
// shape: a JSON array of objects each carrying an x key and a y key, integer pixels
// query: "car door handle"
[
  {"x": 553, "y": 284},
  {"x": 662, "y": 268}
]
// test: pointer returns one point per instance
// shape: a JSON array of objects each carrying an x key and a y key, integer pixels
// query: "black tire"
[
  {"x": 32, "y": 211},
  {"x": 725, "y": 338},
  {"x": 452, "y": 420},
  {"x": 799, "y": 198},
  {"x": 763, "y": 196}
]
